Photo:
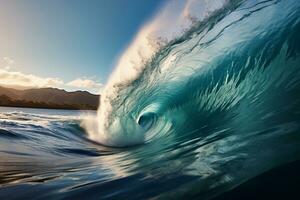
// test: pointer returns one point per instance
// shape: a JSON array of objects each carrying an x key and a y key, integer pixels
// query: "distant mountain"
[{"x": 48, "y": 98}]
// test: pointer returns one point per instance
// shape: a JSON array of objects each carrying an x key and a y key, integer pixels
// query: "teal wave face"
[{"x": 230, "y": 66}]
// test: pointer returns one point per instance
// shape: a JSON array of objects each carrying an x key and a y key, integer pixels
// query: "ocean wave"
[{"x": 231, "y": 57}]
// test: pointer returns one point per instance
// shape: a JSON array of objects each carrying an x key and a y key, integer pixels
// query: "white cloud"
[
  {"x": 15, "y": 79},
  {"x": 86, "y": 84},
  {"x": 8, "y": 62},
  {"x": 24, "y": 81},
  {"x": 19, "y": 80}
]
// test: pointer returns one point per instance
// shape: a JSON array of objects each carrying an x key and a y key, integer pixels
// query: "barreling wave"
[{"x": 236, "y": 61}]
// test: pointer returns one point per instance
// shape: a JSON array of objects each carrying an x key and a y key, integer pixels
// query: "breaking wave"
[{"x": 200, "y": 60}]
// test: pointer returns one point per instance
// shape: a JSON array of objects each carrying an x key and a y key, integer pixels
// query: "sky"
[{"x": 72, "y": 45}]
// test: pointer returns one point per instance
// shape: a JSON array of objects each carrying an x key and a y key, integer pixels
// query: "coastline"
[
  {"x": 60, "y": 107},
  {"x": 44, "y": 105}
]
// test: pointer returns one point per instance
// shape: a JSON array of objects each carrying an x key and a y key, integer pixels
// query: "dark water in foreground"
[
  {"x": 223, "y": 115},
  {"x": 44, "y": 154}
]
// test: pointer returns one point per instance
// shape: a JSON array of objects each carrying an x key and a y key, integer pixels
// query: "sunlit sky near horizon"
[{"x": 66, "y": 44}]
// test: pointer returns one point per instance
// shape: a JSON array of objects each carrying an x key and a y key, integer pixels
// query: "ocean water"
[{"x": 213, "y": 113}]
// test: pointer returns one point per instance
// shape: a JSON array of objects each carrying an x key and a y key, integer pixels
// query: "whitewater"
[{"x": 204, "y": 103}]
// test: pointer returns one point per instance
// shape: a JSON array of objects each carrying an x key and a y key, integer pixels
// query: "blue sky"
[{"x": 67, "y": 40}]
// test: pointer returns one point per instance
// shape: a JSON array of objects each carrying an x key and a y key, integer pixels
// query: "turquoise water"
[{"x": 214, "y": 113}]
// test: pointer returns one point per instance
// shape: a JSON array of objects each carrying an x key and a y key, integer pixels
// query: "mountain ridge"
[{"x": 48, "y": 98}]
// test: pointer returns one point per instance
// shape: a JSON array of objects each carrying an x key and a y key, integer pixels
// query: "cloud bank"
[
  {"x": 84, "y": 83},
  {"x": 19, "y": 80}
]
